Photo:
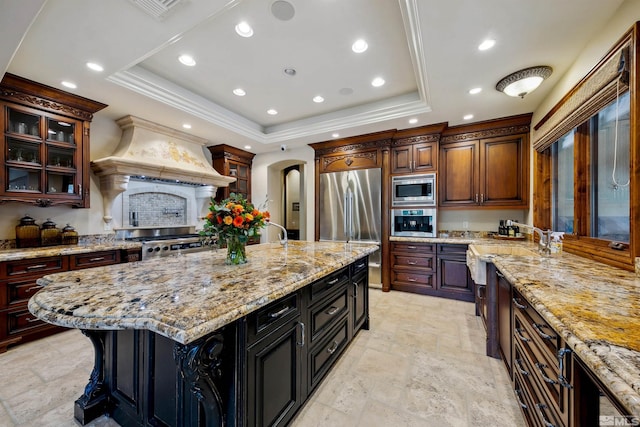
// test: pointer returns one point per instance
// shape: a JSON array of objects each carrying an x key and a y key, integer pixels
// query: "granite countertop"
[
  {"x": 186, "y": 297},
  {"x": 594, "y": 307},
  {"x": 28, "y": 253}
]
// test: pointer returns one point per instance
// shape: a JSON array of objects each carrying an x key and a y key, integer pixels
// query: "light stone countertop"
[
  {"x": 593, "y": 306},
  {"x": 47, "y": 251},
  {"x": 186, "y": 297}
]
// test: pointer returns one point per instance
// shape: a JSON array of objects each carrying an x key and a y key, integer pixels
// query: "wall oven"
[
  {"x": 413, "y": 190},
  {"x": 413, "y": 223}
]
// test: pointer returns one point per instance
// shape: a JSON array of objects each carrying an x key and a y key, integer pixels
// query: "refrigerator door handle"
[{"x": 348, "y": 229}]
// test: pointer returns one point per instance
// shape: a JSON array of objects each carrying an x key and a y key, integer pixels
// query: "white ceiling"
[{"x": 426, "y": 50}]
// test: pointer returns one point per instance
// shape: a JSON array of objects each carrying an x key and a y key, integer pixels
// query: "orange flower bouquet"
[{"x": 232, "y": 222}]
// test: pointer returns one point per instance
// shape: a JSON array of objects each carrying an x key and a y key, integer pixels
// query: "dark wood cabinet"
[
  {"x": 45, "y": 144},
  {"x": 231, "y": 161},
  {"x": 275, "y": 376},
  {"x": 414, "y": 158},
  {"x": 454, "y": 278},
  {"x": 430, "y": 269},
  {"x": 505, "y": 327},
  {"x": 18, "y": 284},
  {"x": 485, "y": 165}
]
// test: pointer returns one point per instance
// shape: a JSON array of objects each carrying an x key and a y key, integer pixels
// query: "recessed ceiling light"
[
  {"x": 239, "y": 92},
  {"x": 187, "y": 60},
  {"x": 247, "y": 147},
  {"x": 95, "y": 67},
  {"x": 282, "y": 10},
  {"x": 243, "y": 29},
  {"x": 475, "y": 90},
  {"x": 318, "y": 99},
  {"x": 413, "y": 121},
  {"x": 68, "y": 84},
  {"x": 290, "y": 71},
  {"x": 186, "y": 126},
  {"x": 377, "y": 82},
  {"x": 272, "y": 112},
  {"x": 359, "y": 46},
  {"x": 335, "y": 135},
  {"x": 468, "y": 117},
  {"x": 487, "y": 44}
]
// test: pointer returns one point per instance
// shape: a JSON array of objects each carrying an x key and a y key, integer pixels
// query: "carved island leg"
[
  {"x": 93, "y": 403},
  {"x": 200, "y": 365}
]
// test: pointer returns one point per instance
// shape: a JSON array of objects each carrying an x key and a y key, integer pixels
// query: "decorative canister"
[
  {"x": 27, "y": 233},
  {"x": 69, "y": 235},
  {"x": 49, "y": 233}
]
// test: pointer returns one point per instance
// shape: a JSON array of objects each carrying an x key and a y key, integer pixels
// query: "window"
[
  {"x": 610, "y": 150},
  {"x": 562, "y": 185}
]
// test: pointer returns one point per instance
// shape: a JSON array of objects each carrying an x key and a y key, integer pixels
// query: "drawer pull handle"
[
  {"x": 279, "y": 312},
  {"x": 561, "y": 378},
  {"x": 31, "y": 319},
  {"x": 538, "y": 327},
  {"x": 359, "y": 266},
  {"x": 518, "y": 394},
  {"x": 480, "y": 290},
  {"x": 355, "y": 289},
  {"x": 32, "y": 288},
  {"x": 411, "y": 279},
  {"x": 522, "y": 337},
  {"x": 546, "y": 379},
  {"x": 411, "y": 262},
  {"x": 100, "y": 258},
  {"x": 412, "y": 247},
  {"x": 301, "y": 343},
  {"x": 541, "y": 407},
  {"x": 35, "y": 267},
  {"x": 333, "y": 347},
  {"x": 332, "y": 311},
  {"x": 517, "y": 304},
  {"x": 333, "y": 282},
  {"x": 519, "y": 366}
]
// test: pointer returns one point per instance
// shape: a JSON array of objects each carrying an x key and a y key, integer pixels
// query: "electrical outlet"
[{"x": 465, "y": 224}]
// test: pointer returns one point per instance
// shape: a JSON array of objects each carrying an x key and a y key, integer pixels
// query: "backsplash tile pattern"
[{"x": 157, "y": 209}]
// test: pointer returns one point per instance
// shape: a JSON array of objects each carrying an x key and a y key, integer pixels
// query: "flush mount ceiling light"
[
  {"x": 187, "y": 60},
  {"x": 243, "y": 29},
  {"x": 524, "y": 81},
  {"x": 359, "y": 46}
]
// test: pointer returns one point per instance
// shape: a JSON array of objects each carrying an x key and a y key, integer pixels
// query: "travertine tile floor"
[{"x": 421, "y": 364}]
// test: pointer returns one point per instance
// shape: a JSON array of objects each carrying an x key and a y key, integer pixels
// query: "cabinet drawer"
[
  {"x": 325, "y": 315},
  {"x": 17, "y": 291},
  {"x": 19, "y": 321},
  {"x": 542, "y": 333},
  {"x": 414, "y": 248},
  {"x": 323, "y": 355},
  {"x": 407, "y": 261},
  {"x": 414, "y": 278},
  {"x": 267, "y": 319},
  {"x": 328, "y": 284},
  {"x": 35, "y": 267},
  {"x": 452, "y": 250},
  {"x": 360, "y": 266},
  {"x": 524, "y": 398},
  {"x": 94, "y": 259}
]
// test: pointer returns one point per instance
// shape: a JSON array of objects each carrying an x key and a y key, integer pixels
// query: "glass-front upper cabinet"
[{"x": 44, "y": 144}]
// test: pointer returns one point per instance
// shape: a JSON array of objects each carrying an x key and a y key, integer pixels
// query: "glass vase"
[{"x": 236, "y": 253}]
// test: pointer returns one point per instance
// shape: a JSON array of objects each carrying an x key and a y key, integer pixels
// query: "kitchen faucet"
[
  {"x": 545, "y": 236},
  {"x": 284, "y": 239}
]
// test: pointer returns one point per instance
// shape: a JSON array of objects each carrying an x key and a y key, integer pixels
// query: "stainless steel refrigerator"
[{"x": 350, "y": 210}]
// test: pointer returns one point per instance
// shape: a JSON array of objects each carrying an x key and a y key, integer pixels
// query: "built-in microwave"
[
  {"x": 413, "y": 190},
  {"x": 413, "y": 222}
]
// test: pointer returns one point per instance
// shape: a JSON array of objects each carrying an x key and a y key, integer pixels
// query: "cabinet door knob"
[{"x": 476, "y": 197}]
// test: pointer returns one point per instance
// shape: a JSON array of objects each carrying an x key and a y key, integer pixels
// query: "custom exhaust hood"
[{"x": 154, "y": 151}]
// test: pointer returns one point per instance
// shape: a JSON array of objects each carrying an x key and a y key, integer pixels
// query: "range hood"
[{"x": 154, "y": 151}]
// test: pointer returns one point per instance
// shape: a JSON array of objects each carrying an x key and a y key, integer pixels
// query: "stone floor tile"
[
  {"x": 5, "y": 418},
  {"x": 315, "y": 414}
]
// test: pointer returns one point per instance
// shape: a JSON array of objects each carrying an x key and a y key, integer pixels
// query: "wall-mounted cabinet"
[
  {"x": 485, "y": 165},
  {"x": 45, "y": 144},
  {"x": 416, "y": 150},
  {"x": 236, "y": 163}
]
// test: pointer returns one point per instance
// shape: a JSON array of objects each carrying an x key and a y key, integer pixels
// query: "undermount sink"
[
  {"x": 502, "y": 250},
  {"x": 477, "y": 255}
]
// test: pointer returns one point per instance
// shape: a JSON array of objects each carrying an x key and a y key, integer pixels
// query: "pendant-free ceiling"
[{"x": 524, "y": 81}]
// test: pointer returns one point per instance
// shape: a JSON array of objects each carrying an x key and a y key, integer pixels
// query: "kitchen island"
[{"x": 188, "y": 340}]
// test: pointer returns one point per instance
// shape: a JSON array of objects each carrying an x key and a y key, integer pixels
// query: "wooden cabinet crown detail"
[
  {"x": 416, "y": 139},
  {"x": 42, "y": 103},
  {"x": 348, "y": 158},
  {"x": 488, "y": 133}
]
